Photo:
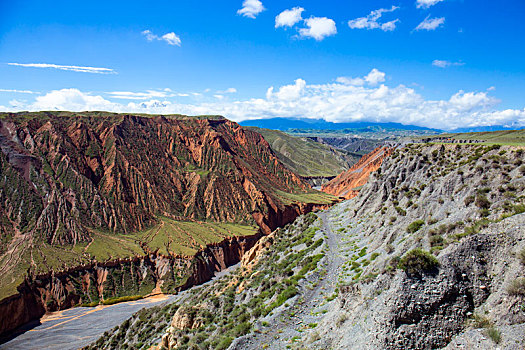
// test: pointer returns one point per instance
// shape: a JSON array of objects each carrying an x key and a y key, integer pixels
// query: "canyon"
[{"x": 97, "y": 206}]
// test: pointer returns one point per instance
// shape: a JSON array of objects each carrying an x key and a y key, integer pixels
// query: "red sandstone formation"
[{"x": 347, "y": 184}]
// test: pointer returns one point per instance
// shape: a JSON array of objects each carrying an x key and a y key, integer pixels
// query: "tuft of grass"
[
  {"x": 494, "y": 334},
  {"x": 517, "y": 287}
]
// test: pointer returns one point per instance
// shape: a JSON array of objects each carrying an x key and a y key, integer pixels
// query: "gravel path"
[{"x": 294, "y": 324}]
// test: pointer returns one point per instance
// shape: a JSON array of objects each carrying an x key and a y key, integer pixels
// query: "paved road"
[{"x": 80, "y": 326}]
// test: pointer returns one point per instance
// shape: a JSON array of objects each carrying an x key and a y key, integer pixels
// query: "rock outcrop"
[{"x": 347, "y": 184}]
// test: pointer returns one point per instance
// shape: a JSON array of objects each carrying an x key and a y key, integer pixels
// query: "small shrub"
[
  {"x": 417, "y": 261},
  {"x": 517, "y": 287},
  {"x": 415, "y": 226},
  {"x": 480, "y": 321},
  {"x": 494, "y": 334},
  {"x": 400, "y": 210},
  {"x": 482, "y": 202}
]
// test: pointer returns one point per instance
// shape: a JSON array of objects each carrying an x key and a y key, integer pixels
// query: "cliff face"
[
  {"x": 77, "y": 190},
  {"x": 347, "y": 183}
]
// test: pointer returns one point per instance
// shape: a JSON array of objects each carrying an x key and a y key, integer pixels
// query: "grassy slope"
[
  {"x": 505, "y": 137},
  {"x": 306, "y": 157}
]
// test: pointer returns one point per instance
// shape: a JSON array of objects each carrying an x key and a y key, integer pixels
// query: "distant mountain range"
[
  {"x": 285, "y": 124},
  {"x": 488, "y": 128}
]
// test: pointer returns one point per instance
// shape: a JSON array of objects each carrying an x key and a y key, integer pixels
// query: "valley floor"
[{"x": 78, "y": 327}]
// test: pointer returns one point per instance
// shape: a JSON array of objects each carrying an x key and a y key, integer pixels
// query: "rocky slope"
[
  {"x": 348, "y": 183},
  {"x": 87, "y": 198},
  {"x": 430, "y": 254}
]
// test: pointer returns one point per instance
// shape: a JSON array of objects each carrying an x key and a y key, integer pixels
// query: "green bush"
[
  {"x": 415, "y": 226},
  {"x": 417, "y": 261},
  {"x": 400, "y": 210}
]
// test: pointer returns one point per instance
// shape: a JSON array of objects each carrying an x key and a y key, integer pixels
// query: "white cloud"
[
  {"x": 318, "y": 28},
  {"x": 219, "y": 97},
  {"x": 170, "y": 38},
  {"x": 251, "y": 8},
  {"x": 371, "y": 21},
  {"x": 227, "y": 91},
  {"x": 73, "y": 100},
  {"x": 426, "y": 3},
  {"x": 375, "y": 77},
  {"x": 287, "y": 92},
  {"x": 446, "y": 64},
  {"x": 82, "y": 69},
  {"x": 350, "y": 81},
  {"x": 128, "y": 95},
  {"x": 288, "y": 18},
  {"x": 18, "y": 91},
  {"x": 346, "y": 100},
  {"x": 431, "y": 23}
]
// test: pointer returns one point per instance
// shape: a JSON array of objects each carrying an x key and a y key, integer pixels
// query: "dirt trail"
[{"x": 299, "y": 320}]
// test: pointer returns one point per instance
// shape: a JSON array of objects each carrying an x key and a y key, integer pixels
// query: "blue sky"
[{"x": 438, "y": 63}]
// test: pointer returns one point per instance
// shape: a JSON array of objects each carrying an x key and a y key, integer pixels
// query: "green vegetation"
[
  {"x": 415, "y": 226},
  {"x": 494, "y": 334},
  {"x": 116, "y": 300},
  {"x": 311, "y": 196},
  {"x": 418, "y": 261},
  {"x": 505, "y": 137},
  {"x": 306, "y": 157}
]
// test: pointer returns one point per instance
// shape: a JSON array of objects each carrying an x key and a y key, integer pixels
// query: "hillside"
[
  {"x": 503, "y": 137},
  {"x": 348, "y": 183},
  {"x": 430, "y": 254},
  {"x": 89, "y": 199},
  {"x": 306, "y": 157}
]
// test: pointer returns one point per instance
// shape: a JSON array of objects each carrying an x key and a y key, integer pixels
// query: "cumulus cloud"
[
  {"x": 430, "y": 23},
  {"x": 318, "y": 28},
  {"x": 170, "y": 38},
  {"x": 346, "y": 100},
  {"x": 375, "y": 77},
  {"x": 251, "y": 8},
  {"x": 71, "y": 99},
  {"x": 287, "y": 92},
  {"x": 426, "y": 3},
  {"x": 288, "y": 18},
  {"x": 82, "y": 69},
  {"x": 446, "y": 64},
  {"x": 371, "y": 21}
]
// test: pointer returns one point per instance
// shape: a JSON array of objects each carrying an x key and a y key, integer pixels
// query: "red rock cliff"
[{"x": 347, "y": 183}]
